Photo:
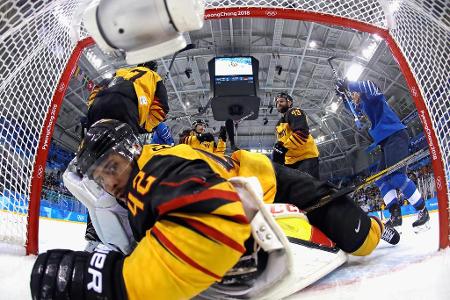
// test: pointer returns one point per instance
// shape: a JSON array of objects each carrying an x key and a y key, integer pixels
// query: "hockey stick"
[
  {"x": 369, "y": 180},
  {"x": 229, "y": 126},
  {"x": 188, "y": 47},
  {"x": 346, "y": 96}
]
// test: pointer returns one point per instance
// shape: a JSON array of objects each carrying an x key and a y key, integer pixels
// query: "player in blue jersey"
[
  {"x": 391, "y": 135},
  {"x": 161, "y": 135}
]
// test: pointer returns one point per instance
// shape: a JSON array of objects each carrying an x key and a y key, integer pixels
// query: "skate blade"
[{"x": 422, "y": 228}]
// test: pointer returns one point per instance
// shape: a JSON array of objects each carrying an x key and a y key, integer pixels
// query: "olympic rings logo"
[
  {"x": 62, "y": 86},
  {"x": 271, "y": 13},
  {"x": 438, "y": 183},
  {"x": 40, "y": 171}
]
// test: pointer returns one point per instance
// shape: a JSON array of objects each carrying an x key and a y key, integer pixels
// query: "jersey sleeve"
[
  {"x": 296, "y": 119},
  {"x": 192, "y": 228},
  {"x": 365, "y": 87},
  {"x": 220, "y": 147}
]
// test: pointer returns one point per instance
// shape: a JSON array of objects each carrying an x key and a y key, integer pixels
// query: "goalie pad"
[
  {"x": 109, "y": 219},
  {"x": 298, "y": 253}
]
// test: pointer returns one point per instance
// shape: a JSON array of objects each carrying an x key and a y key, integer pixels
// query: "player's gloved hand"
[
  {"x": 279, "y": 153},
  {"x": 342, "y": 85},
  {"x": 339, "y": 94},
  {"x": 66, "y": 274},
  {"x": 223, "y": 133},
  {"x": 205, "y": 137}
]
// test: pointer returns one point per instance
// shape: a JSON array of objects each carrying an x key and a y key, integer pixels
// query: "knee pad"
[
  {"x": 372, "y": 239},
  {"x": 411, "y": 192}
]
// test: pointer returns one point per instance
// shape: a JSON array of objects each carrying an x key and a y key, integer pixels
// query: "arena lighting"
[
  {"x": 354, "y": 71},
  {"x": 313, "y": 44},
  {"x": 334, "y": 106},
  {"x": 395, "y": 5},
  {"x": 144, "y": 30},
  {"x": 370, "y": 50}
]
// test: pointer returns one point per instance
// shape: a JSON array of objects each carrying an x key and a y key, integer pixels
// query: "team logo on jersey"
[{"x": 143, "y": 100}]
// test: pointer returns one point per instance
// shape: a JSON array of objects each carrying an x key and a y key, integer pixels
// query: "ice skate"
[
  {"x": 423, "y": 221},
  {"x": 395, "y": 221}
]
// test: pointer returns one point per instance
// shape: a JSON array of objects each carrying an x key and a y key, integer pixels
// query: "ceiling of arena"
[{"x": 292, "y": 57}]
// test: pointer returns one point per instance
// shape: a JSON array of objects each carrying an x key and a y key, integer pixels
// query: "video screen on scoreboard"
[
  {"x": 234, "y": 76},
  {"x": 230, "y": 66}
]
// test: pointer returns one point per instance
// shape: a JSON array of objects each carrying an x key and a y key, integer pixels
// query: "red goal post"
[{"x": 38, "y": 55}]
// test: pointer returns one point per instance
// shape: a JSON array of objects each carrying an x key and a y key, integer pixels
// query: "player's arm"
[
  {"x": 365, "y": 87},
  {"x": 197, "y": 205},
  {"x": 220, "y": 147},
  {"x": 163, "y": 132},
  {"x": 161, "y": 96},
  {"x": 296, "y": 119},
  {"x": 191, "y": 226}
]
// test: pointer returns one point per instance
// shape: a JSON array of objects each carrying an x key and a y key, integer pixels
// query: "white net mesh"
[{"x": 35, "y": 44}]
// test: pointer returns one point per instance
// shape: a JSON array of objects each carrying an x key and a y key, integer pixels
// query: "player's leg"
[
  {"x": 390, "y": 199},
  {"x": 341, "y": 220},
  {"x": 414, "y": 197},
  {"x": 350, "y": 227},
  {"x": 309, "y": 166}
]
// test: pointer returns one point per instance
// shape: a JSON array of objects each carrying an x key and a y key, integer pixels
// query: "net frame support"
[{"x": 249, "y": 12}]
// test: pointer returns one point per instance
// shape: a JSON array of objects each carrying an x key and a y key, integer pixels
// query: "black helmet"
[
  {"x": 283, "y": 95},
  {"x": 199, "y": 121},
  {"x": 152, "y": 65},
  {"x": 103, "y": 138}
]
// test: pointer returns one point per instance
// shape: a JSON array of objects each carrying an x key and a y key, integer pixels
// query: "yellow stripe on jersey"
[
  {"x": 191, "y": 250},
  {"x": 372, "y": 239},
  {"x": 241, "y": 163},
  {"x": 144, "y": 82}
]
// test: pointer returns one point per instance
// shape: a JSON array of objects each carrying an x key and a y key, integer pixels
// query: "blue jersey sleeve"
[{"x": 365, "y": 87}]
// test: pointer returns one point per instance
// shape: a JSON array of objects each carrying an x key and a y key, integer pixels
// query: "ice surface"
[{"x": 413, "y": 269}]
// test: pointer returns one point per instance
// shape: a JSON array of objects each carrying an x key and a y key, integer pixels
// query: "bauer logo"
[{"x": 96, "y": 265}]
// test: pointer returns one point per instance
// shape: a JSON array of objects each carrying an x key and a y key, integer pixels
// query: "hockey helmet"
[
  {"x": 283, "y": 95},
  {"x": 105, "y": 137},
  {"x": 199, "y": 122},
  {"x": 152, "y": 65}
]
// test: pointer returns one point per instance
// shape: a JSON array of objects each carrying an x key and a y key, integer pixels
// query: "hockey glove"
[
  {"x": 342, "y": 85},
  {"x": 223, "y": 133},
  {"x": 66, "y": 274},
  {"x": 279, "y": 153},
  {"x": 205, "y": 137}
]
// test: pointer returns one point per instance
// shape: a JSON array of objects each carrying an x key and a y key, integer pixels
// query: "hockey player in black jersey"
[
  {"x": 188, "y": 217},
  {"x": 295, "y": 147}
]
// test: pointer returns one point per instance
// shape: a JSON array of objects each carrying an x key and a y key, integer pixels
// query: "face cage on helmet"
[
  {"x": 195, "y": 123},
  {"x": 126, "y": 148},
  {"x": 285, "y": 97}
]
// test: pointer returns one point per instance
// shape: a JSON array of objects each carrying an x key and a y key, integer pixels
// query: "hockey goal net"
[{"x": 41, "y": 41}]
